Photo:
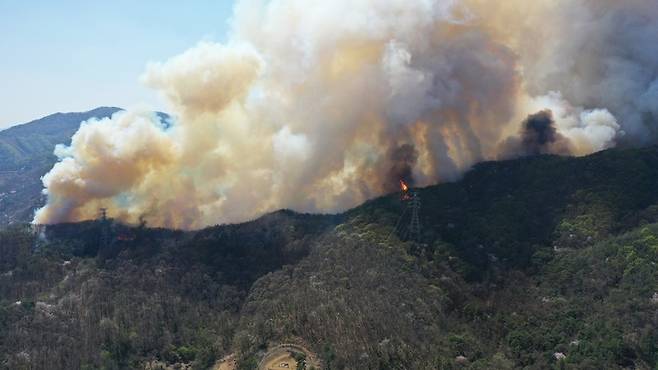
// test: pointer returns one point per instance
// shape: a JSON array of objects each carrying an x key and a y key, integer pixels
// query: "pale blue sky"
[{"x": 75, "y": 55}]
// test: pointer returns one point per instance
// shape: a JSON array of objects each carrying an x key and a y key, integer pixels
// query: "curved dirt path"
[{"x": 275, "y": 353}]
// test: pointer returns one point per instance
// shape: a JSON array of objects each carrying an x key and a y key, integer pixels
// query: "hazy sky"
[{"x": 75, "y": 55}]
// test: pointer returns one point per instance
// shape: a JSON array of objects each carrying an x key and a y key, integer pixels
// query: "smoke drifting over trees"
[
  {"x": 307, "y": 103},
  {"x": 537, "y": 135}
]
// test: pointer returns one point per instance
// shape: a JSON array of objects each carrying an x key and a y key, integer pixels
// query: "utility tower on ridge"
[
  {"x": 412, "y": 231},
  {"x": 414, "y": 223},
  {"x": 105, "y": 229}
]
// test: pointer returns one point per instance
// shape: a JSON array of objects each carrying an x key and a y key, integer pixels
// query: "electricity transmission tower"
[
  {"x": 412, "y": 231},
  {"x": 105, "y": 229},
  {"x": 414, "y": 224}
]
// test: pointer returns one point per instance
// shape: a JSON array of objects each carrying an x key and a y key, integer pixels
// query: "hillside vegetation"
[{"x": 536, "y": 263}]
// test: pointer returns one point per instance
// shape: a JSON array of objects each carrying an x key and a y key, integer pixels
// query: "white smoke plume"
[{"x": 318, "y": 105}]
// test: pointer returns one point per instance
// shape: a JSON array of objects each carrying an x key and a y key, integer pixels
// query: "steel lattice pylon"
[
  {"x": 412, "y": 232},
  {"x": 414, "y": 224},
  {"x": 105, "y": 229}
]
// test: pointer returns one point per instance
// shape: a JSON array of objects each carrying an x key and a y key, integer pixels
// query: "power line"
[
  {"x": 414, "y": 224},
  {"x": 397, "y": 224},
  {"x": 413, "y": 230}
]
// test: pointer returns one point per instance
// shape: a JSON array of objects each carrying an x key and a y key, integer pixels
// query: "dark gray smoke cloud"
[{"x": 538, "y": 135}]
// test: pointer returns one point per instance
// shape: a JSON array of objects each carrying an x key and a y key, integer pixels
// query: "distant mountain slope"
[
  {"x": 21, "y": 145},
  {"x": 537, "y": 263},
  {"x": 26, "y": 154}
]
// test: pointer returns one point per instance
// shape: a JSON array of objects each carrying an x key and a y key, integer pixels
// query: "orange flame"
[{"x": 404, "y": 186}]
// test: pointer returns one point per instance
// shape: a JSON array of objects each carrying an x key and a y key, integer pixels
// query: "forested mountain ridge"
[
  {"x": 22, "y": 144},
  {"x": 540, "y": 262}
]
